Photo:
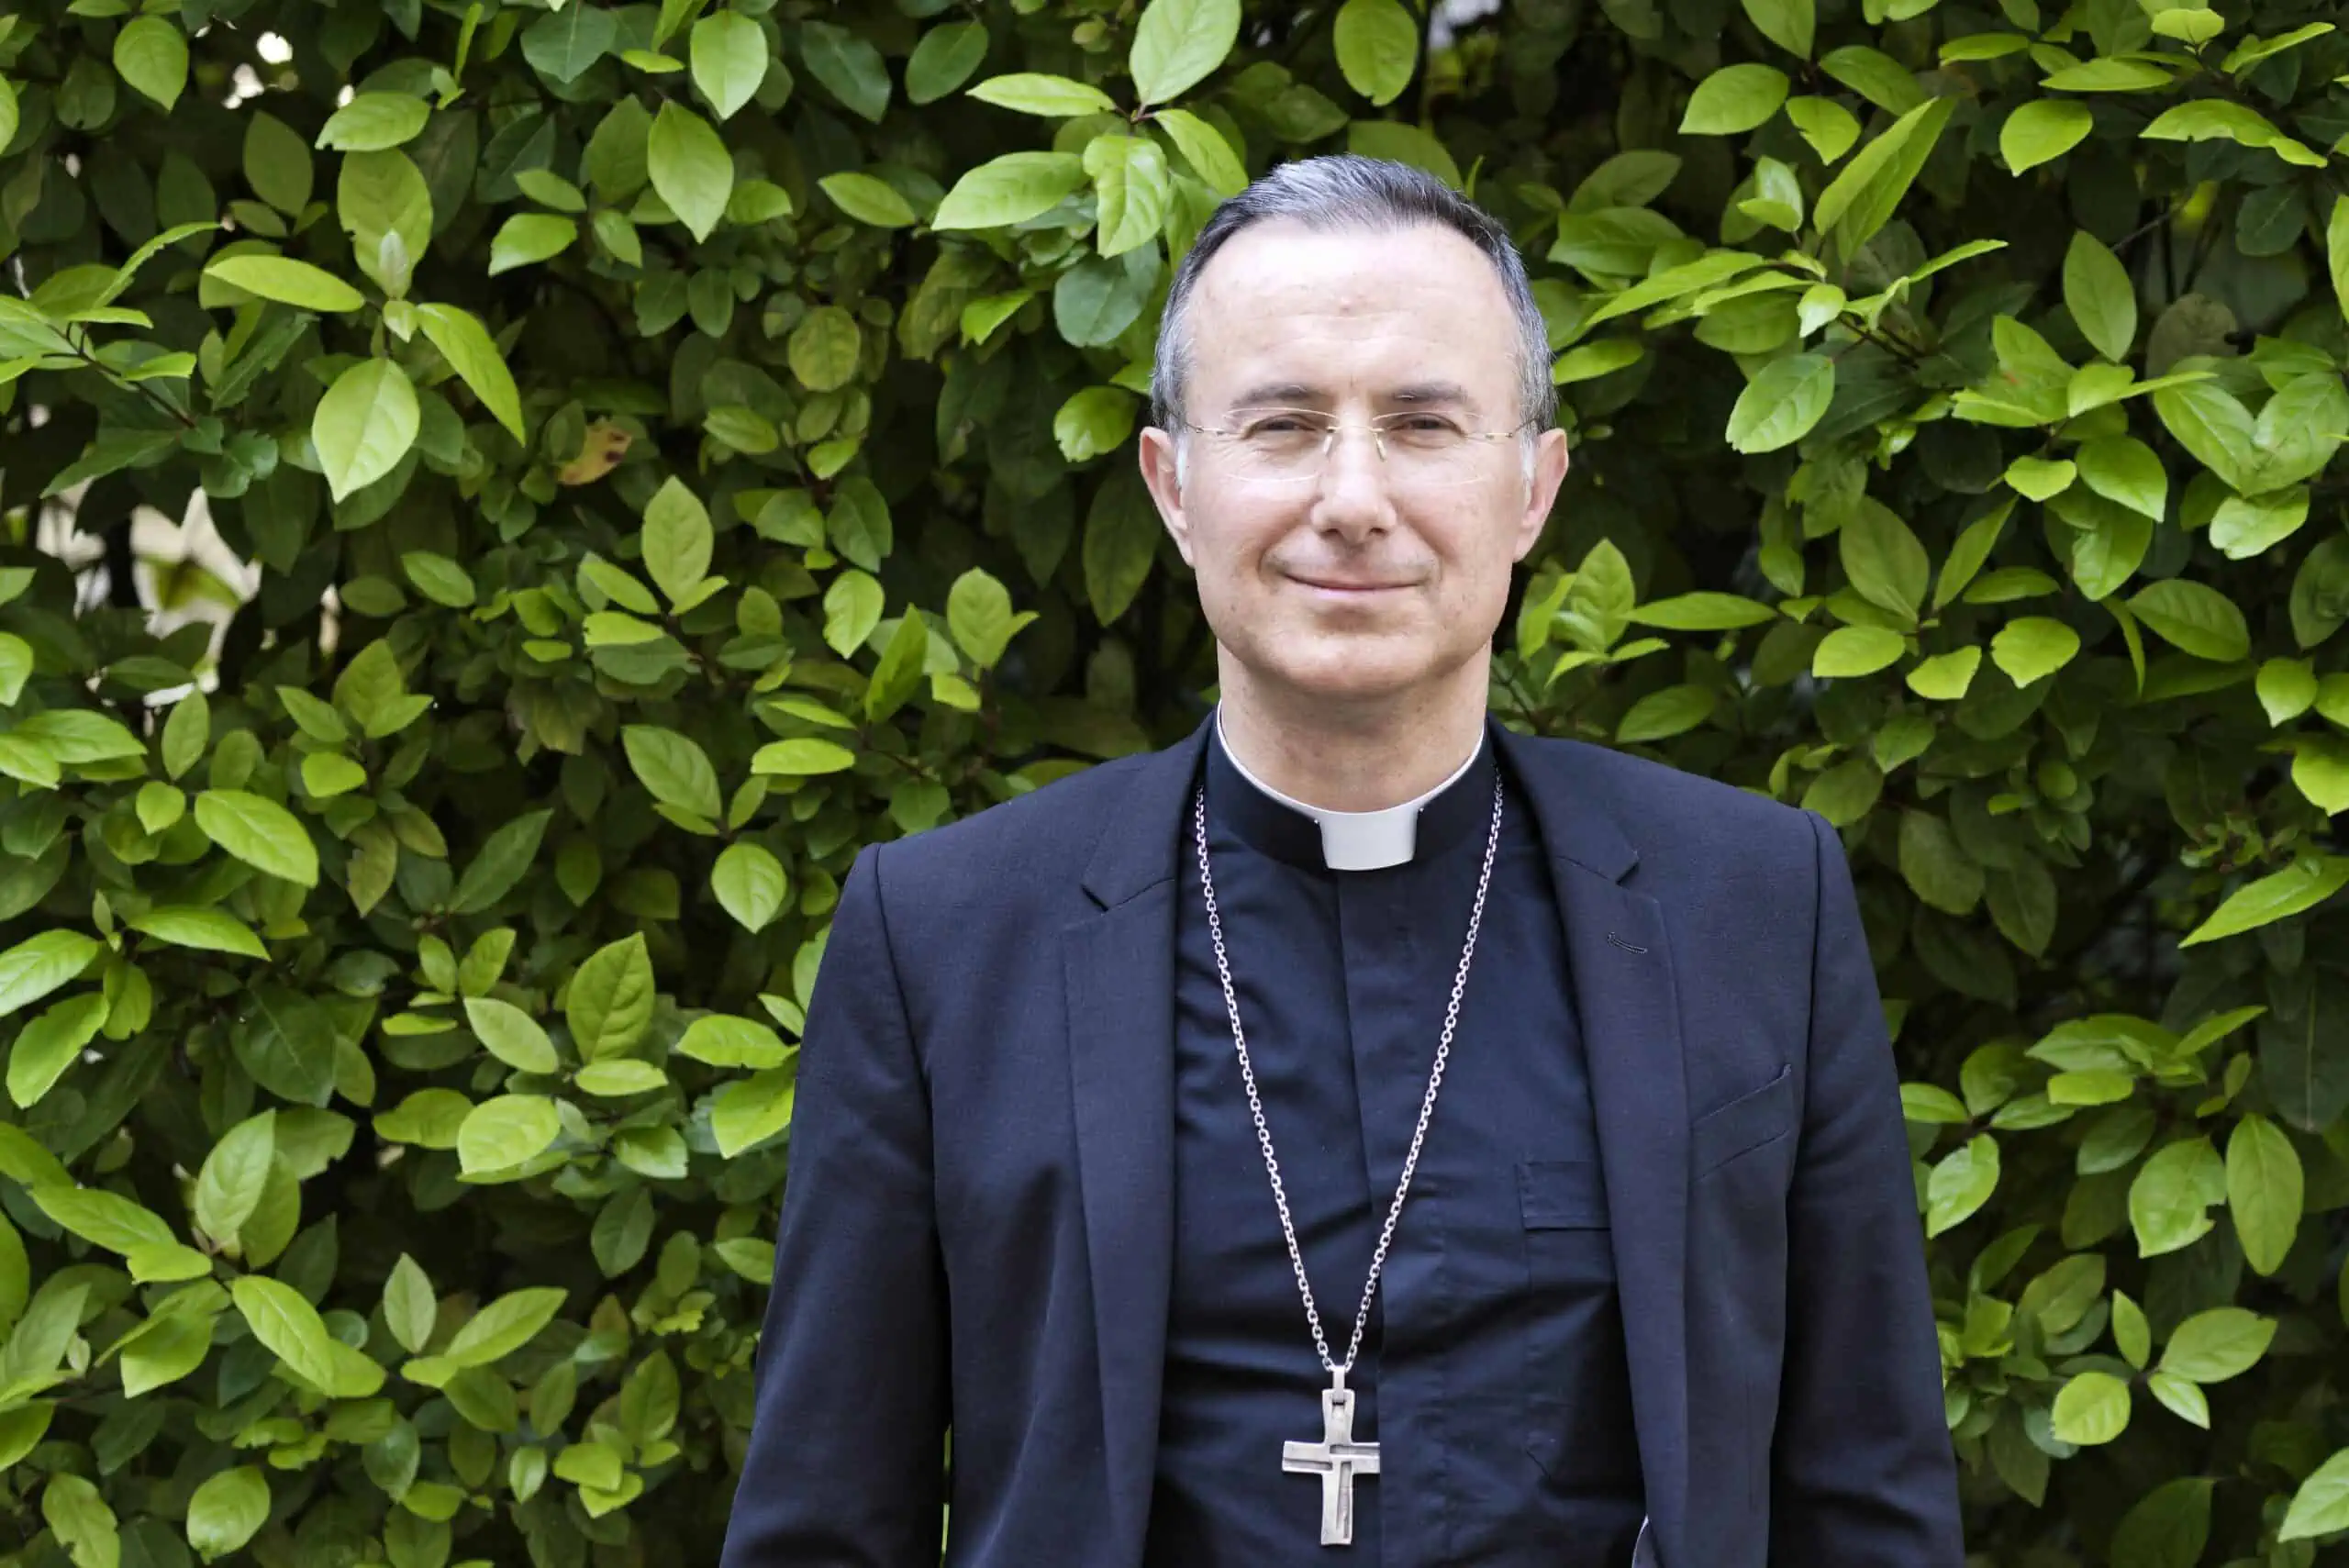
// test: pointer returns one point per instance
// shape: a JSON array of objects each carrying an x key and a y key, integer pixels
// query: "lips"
[{"x": 1334, "y": 586}]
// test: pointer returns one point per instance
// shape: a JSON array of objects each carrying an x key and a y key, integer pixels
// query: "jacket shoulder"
[
  {"x": 1679, "y": 818},
  {"x": 1043, "y": 836}
]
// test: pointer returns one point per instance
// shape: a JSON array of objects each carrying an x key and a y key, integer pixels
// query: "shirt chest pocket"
[{"x": 1575, "y": 1392}]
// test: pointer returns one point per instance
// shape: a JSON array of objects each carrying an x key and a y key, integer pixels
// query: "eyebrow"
[{"x": 1298, "y": 394}]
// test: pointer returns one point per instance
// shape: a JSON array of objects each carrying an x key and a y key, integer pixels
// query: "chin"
[{"x": 1350, "y": 670}]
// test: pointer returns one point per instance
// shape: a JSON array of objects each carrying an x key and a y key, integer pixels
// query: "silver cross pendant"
[{"x": 1337, "y": 1458}]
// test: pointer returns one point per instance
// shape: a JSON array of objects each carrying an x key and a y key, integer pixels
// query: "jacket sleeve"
[
  {"x": 845, "y": 1462},
  {"x": 1863, "y": 1473}
]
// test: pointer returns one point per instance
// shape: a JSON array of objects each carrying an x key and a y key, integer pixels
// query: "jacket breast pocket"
[{"x": 1745, "y": 1124}]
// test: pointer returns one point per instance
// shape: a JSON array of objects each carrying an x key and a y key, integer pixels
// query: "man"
[{"x": 1359, "y": 1135}]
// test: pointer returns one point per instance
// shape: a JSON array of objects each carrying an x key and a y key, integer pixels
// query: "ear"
[
  {"x": 1156, "y": 456},
  {"x": 1549, "y": 473}
]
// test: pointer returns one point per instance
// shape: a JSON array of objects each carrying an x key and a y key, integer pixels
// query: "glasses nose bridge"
[{"x": 1336, "y": 428}]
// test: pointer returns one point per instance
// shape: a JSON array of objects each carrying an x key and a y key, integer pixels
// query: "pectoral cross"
[{"x": 1337, "y": 1458}]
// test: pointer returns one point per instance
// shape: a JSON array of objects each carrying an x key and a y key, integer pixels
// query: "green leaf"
[
  {"x": 440, "y": 579},
  {"x": 619, "y": 1078},
  {"x": 690, "y": 168},
  {"x": 511, "y": 1034},
  {"x": 2321, "y": 1504},
  {"x": 530, "y": 237},
  {"x": 2042, "y": 131},
  {"x": 213, "y": 930},
  {"x": 2168, "y": 1527},
  {"x": 1781, "y": 405},
  {"x": 1960, "y": 1185},
  {"x": 2170, "y": 1195},
  {"x": 1734, "y": 99},
  {"x": 372, "y": 122},
  {"x": 749, "y": 1112},
  {"x": 852, "y": 607},
  {"x": 1936, "y": 866},
  {"x": 1132, "y": 185},
  {"x": 151, "y": 54},
  {"x": 2299, "y": 886},
  {"x": 2194, "y": 617},
  {"x": 499, "y": 866},
  {"x": 1203, "y": 147},
  {"x": 410, "y": 1307},
  {"x": 504, "y": 1326},
  {"x": 260, "y": 832},
  {"x": 868, "y": 199},
  {"x": 980, "y": 617},
  {"x": 228, "y": 1187},
  {"x": 2097, "y": 291},
  {"x": 1378, "y": 48},
  {"x": 2090, "y": 1409},
  {"x": 1946, "y": 677},
  {"x": 1050, "y": 97},
  {"x": 1660, "y": 715},
  {"x": 501, "y": 1133},
  {"x": 466, "y": 344},
  {"x": 2288, "y": 688},
  {"x": 1094, "y": 421},
  {"x": 1178, "y": 44},
  {"x": 289, "y": 281},
  {"x": 2265, "y": 1192},
  {"x": 610, "y": 999},
  {"x": 2336, "y": 251},
  {"x": 729, "y": 60},
  {"x": 2213, "y": 1346},
  {"x": 2130, "y": 1333},
  {"x": 825, "y": 348},
  {"x": 945, "y": 60},
  {"x": 81, "y": 1522},
  {"x": 364, "y": 425},
  {"x": 46, "y": 1047},
  {"x": 1704, "y": 612},
  {"x": 1853, "y": 650},
  {"x": 1121, "y": 535},
  {"x": 2041, "y": 479},
  {"x": 802, "y": 757},
  {"x": 725, "y": 1041},
  {"x": 562, "y": 45},
  {"x": 2206, "y": 119},
  {"x": 39, "y": 965},
  {"x": 1011, "y": 189},
  {"x": 677, "y": 540},
  {"x": 750, "y": 885},
  {"x": 290, "y": 1326},
  {"x": 1862, "y": 198},
  {"x": 1884, "y": 560},
  {"x": 849, "y": 68},
  {"x": 675, "y": 769},
  {"x": 2033, "y": 648},
  {"x": 2124, "y": 469},
  {"x": 227, "y": 1510},
  {"x": 1786, "y": 23}
]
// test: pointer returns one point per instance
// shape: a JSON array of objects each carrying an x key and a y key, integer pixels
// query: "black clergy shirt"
[{"x": 1492, "y": 1369}]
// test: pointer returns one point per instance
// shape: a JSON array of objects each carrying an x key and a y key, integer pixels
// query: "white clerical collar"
[{"x": 1355, "y": 840}]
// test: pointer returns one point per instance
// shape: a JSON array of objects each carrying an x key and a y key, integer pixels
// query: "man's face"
[{"x": 1374, "y": 579}]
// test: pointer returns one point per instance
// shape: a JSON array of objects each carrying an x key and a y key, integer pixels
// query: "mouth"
[{"x": 1342, "y": 588}]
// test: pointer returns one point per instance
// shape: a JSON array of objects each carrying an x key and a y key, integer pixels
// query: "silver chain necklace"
[{"x": 1337, "y": 1458}]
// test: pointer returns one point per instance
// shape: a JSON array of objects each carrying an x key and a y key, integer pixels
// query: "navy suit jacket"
[{"x": 978, "y": 1225}]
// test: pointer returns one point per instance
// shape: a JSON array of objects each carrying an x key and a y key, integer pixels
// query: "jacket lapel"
[
  {"x": 1620, "y": 957},
  {"x": 1118, "y": 975}
]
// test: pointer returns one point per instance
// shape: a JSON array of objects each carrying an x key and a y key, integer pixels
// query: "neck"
[{"x": 1349, "y": 756}]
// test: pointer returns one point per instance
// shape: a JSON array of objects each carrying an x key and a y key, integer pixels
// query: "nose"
[{"x": 1352, "y": 501}]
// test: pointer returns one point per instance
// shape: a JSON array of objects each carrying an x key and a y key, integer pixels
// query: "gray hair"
[{"x": 1377, "y": 195}]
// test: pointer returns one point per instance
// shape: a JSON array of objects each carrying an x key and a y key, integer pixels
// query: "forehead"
[{"x": 1349, "y": 310}]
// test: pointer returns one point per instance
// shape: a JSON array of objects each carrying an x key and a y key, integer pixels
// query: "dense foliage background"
[{"x": 501, "y": 501}]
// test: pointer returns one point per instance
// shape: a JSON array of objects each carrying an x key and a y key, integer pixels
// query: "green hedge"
[{"x": 624, "y": 459}]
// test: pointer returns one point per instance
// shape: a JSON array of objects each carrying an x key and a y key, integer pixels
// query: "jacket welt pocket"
[{"x": 1743, "y": 1125}]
